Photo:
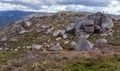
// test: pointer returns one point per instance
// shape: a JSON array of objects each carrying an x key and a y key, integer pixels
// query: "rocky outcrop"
[{"x": 95, "y": 23}]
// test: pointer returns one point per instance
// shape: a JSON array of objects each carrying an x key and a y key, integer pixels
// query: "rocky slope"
[
  {"x": 11, "y": 16},
  {"x": 52, "y": 29},
  {"x": 46, "y": 40}
]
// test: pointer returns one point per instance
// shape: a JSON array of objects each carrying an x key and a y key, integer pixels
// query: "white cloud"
[
  {"x": 113, "y": 8},
  {"x": 7, "y": 6},
  {"x": 61, "y": 5}
]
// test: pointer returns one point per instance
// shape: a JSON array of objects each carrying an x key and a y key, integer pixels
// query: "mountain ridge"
[{"x": 7, "y": 17}]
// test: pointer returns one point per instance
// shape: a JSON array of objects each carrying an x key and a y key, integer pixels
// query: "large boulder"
[
  {"x": 88, "y": 26},
  {"x": 96, "y": 17},
  {"x": 83, "y": 27},
  {"x": 106, "y": 24},
  {"x": 83, "y": 44}
]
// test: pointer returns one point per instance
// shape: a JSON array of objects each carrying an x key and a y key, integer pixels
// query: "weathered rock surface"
[
  {"x": 3, "y": 39},
  {"x": 70, "y": 28},
  {"x": 59, "y": 33},
  {"x": 36, "y": 47},
  {"x": 56, "y": 47},
  {"x": 101, "y": 41},
  {"x": 83, "y": 44},
  {"x": 26, "y": 24},
  {"x": 22, "y": 32}
]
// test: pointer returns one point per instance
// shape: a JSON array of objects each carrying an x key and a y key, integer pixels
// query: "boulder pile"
[{"x": 96, "y": 23}]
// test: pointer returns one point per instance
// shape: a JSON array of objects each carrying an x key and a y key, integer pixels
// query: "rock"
[
  {"x": 0, "y": 49},
  {"x": 13, "y": 39},
  {"x": 3, "y": 39},
  {"x": 44, "y": 27},
  {"x": 107, "y": 34},
  {"x": 96, "y": 17},
  {"x": 70, "y": 28},
  {"x": 84, "y": 27},
  {"x": 83, "y": 44},
  {"x": 66, "y": 42},
  {"x": 22, "y": 32},
  {"x": 26, "y": 24},
  {"x": 57, "y": 47},
  {"x": 29, "y": 47},
  {"x": 84, "y": 36},
  {"x": 73, "y": 43},
  {"x": 58, "y": 33},
  {"x": 64, "y": 36},
  {"x": 110, "y": 34},
  {"x": 106, "y": 24},
  {"x": 58, "y": 38},
  {"x": 16, "y": 49},
  {"x": 101, "y": 41},
  {"x": 97, "y": 29},
  {"x": 88, "y": 25},
  {"x": 36, "y": 47},
  {"x": 49, "y": 30}
]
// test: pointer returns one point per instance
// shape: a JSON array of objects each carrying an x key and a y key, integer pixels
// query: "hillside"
[
  {"x": 7, "y": 17},
  {"x": 61, "y": 42}
]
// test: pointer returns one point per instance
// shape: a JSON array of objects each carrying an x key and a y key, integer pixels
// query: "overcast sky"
[{"x": 108, "y": 6}]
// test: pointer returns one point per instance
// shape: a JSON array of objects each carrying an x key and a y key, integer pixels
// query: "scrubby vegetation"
[
  {"x": 59, "y": 61},
  {"x": 104, "y": 58}
]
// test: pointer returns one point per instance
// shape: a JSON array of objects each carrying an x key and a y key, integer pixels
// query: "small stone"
[
  {"x": 13, "y": 39},
  {"x": 73, "y": 43},
  {"x": 101, "y": 41},
  {"x": 64, "y": 36},
  {"x": 3, "y": 39},
  {"x": 58, "y": 33},
  {"x": 110, "y": 34},
  {"x": 29, "y": 47},
  {"x": 36, "y": 47},
  {"x": 22, "y": 32},
  {"x": 0, "y": 49},
  {"x": 16, "y": 49},
  {"x": 26, "y": 24},
  {"x": 66, "y": 42},
  {"x": 85, "y": 36},
  {"x": 44, "y": 27},
  {"x": 70, "y": 28},
  {"x": 57, "y": 39},
  {"x": 57, "y": 47}
]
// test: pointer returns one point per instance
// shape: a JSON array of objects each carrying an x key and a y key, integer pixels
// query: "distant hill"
[{"x": 11, "y": 16}]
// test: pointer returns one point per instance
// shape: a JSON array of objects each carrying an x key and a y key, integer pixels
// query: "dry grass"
[{"x": 55, "y": 60}]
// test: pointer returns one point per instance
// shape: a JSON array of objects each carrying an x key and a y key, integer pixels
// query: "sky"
[{"x": 108, "y": 6}]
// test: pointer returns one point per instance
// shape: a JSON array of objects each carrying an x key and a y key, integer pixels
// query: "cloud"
[
  {"x": 109, "y": 6},
  {"x": 7, "y": 6}
]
